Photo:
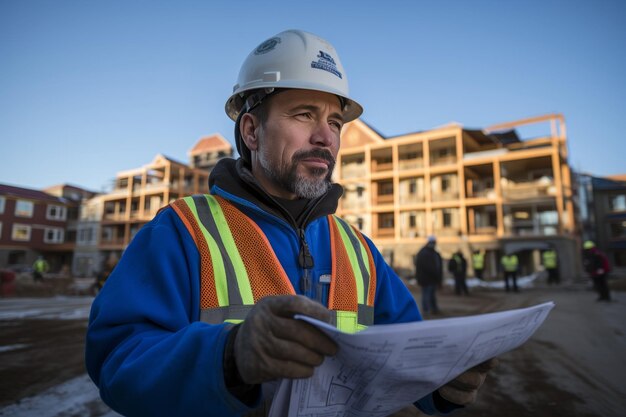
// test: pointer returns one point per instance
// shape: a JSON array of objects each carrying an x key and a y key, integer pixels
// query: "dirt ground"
[{"x": 574, "y": 365}]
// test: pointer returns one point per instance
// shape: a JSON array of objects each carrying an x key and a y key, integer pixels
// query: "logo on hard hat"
[
  {"x": 326, "y": 62},
  {"x": 267, "y": 46}
]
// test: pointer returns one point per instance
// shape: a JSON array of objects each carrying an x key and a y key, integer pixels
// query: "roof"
[
  {"x": 29, "y": 194},
  {"x": 620, "y": 177},
  {"x": 505, "y": 137},
  {"x": 210, "y": 144}
]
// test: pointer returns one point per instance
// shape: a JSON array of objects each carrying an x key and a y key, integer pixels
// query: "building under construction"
[{"x": 474, "y": 189}]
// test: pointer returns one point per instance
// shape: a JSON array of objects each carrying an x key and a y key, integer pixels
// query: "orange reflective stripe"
[
  {"x": 266, "y": 274},
  {"x": 208, "y": 294},
  {"x": 343, "y": 292}
]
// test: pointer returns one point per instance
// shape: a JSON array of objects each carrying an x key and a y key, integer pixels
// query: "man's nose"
[{"x": 323, "y": 135}]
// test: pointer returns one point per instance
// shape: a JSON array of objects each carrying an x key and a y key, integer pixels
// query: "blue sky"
[{"x": 90, "y": 88}]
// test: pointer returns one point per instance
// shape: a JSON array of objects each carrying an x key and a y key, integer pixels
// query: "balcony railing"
[
  {"x": 353, "y": 171},
  {"x": 384, "y": 199},
  {"x": 529, "y": 189},
  {"x": 384, "y": 232},
  {"x": 407, "y": 164}
]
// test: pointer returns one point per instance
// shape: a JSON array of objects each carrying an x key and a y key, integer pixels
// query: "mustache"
[{"x": 314, "y": 153}]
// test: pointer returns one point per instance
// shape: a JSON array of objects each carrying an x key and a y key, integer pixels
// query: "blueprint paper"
[{"x": 385, "y": 368}]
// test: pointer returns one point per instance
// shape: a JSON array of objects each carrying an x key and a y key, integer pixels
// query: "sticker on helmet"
[
  {"x": 326, "y": 62},
  {"x": 267, "y": 46}
]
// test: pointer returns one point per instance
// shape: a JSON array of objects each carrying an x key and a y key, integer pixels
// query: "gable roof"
[
  {"x": 211, "y": 143},
  {"x": 29, "y": 194}
]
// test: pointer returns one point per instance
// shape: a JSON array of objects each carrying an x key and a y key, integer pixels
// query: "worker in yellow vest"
[
  {"x": 510, "y": 265},
  {"x": 478, "y": 263},
  {"x": 551, "y": 264},
  {"x": 40, "y": 267},
  {"x": 198, "y": 315}
]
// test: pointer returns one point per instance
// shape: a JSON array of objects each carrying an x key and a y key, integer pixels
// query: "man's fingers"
[
  {"x": 304, "y": 334},
  {"x": 289, "y": 305},
  {"x": 467, "y": 381},
  {"x": 456, "y": 396},
  {"x": 488, "y": 365}
]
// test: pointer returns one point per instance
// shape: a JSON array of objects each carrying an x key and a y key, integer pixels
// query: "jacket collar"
[{"x": 234, "y": 177}]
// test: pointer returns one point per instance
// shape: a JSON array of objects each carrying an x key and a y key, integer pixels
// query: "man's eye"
[
  {"x": 305, "y": 115},
  {"x": 335, "y": 124}
]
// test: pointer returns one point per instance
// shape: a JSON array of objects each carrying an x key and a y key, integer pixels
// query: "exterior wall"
[
  {"x": 48, "y": 235},
  {"x": 139, "y": 194},
  {"x": 465, "y": 188}
]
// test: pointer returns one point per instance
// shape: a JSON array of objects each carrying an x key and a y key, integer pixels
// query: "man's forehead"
[{"x": 296, "y": 98}]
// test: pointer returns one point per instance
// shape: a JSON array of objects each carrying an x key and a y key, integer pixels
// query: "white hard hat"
[{"x": 291, "y": 59}]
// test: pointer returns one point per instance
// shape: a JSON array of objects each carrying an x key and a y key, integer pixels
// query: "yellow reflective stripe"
[
  {"x": 353, "y": 261},
  {"x": 219, "y": 273},
  {"x": 347, "y": 321},
  {"x": 245, "y": 290}
]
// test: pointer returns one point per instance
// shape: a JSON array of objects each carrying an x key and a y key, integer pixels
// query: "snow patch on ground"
[{"x": 76, "y": 397}]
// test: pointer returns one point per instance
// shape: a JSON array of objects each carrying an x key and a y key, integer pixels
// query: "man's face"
[{"x": 298, "y": 144}]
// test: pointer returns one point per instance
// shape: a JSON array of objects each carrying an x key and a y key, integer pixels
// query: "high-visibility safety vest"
[
  {"x": 509, "y": 263},
  {"x": 238, "y": 266},
  {"x": 478, "y": 260},
  {"x": 549, "y": 259}
]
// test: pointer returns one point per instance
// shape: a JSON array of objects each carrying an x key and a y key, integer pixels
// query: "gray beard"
[{"x": 287, "y": 177}]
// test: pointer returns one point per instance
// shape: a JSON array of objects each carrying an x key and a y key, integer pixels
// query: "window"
[
  {"x": 54, "y": 212},
  {"x": 386, "y": 221},
  {"x": 53, "y": 235},
  {"x": 618, "y": 230},
  {"x": 616, "y": 202},
  {"x": 0, "y": 230},
  {"x": 412, "y": 222},
  {"x": 24, "y": 208},
  {"x": 2, "y": 202},
  {"x": 21, "y": 232},
  {"x": 86, "y": 235},
  {"x": 447, "y": 218}
]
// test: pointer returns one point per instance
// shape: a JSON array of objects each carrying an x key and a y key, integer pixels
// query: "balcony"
[
  {"x": 353, "y": 171},
  {"x": 524, "y": 190}
]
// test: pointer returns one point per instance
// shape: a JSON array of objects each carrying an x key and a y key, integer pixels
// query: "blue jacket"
[{"x": 147, "y": 350}]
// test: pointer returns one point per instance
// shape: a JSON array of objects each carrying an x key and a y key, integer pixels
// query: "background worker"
[
  {"x": 598, "y": 267},
  {"x": 550, "y": 263},
  {"x": 197, "y": 317},
  {"x": 457, "y": 265},
  {"x": 510, "y": 265},
  {"x": 40, "y": 267},
  {"x": 478, "y": 263},
  {"x": 429, "y": 274}
]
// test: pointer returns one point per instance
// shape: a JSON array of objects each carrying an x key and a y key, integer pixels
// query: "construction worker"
[
  {"x": 598, "y": 267},
  {"x": 457, "y": 265},
  {"x": 550, "y": 263},
  {"x": 40, "y": 267},
  {"x": 198, "y": 313},
  {"x": 510, "y": 264},
  {"x": 429, "y": 274},
  {"x": 478, "y": 263}
]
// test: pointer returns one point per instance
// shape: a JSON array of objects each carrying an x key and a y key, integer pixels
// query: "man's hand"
[
  {"x": 270, "y": 344},
  {"x": 464, "y": 388}
]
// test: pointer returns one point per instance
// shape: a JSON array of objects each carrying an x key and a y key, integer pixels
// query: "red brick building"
[{"x": 34, "y": 223}]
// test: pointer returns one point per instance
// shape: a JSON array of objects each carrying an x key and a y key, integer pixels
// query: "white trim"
[
  {"x": 58, "y": 234},
  {"x": 25, "y": 227},
  {"x": 24, "y": 212},
  {"x": 56, "y": 212}
]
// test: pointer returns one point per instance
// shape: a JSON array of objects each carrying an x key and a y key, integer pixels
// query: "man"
[
  {"x": 550, "y": 262},
  {"x": 167, "y": 334},
  {"x": 598, "y": 267},
  {"x": 457, "y": 266},
  {"x": 429, "y": 274},
  {"x": 478, "y": 263},
  {"x": 510, "y": 264},
  {"x": 40, "y": 267}
]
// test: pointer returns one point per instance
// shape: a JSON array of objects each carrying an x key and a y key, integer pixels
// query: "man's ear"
[{"x": 248, "y": 130}]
